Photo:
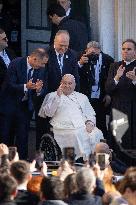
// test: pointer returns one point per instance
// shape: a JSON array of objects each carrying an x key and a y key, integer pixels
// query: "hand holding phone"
[
  {"x": 69, "y": 153},
  {"x": 101, "y": 160},
  {"x": 39, "y": 158},
  {"x": 12, "y": 153}
]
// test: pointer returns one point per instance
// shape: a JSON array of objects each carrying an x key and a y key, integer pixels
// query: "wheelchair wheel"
[{"x": 50, "y": 148}]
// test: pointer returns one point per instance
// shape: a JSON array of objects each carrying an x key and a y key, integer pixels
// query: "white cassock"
[{"x": 68, "y": 116}]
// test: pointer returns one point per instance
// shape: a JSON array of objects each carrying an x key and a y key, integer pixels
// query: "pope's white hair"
[{"x": 69, "y": 76}]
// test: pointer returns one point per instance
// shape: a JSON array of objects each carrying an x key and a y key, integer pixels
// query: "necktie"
[
  {"x": 30, "y": 102},
  {"x": 60, "y": 62},
  {"x": 35, "y": 75},
  {"x": 29, "y": 75}
]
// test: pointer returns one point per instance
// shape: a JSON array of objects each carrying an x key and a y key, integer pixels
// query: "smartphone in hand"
[
  {"x": 101, "y": 160},
  {"x": 69, "y": 153},
  {"x": 12, "y": 152}
]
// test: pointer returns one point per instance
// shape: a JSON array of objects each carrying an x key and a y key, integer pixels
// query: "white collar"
[
  {"x": 57, "y": 54},
  {"x": 2, "y": 53},
  {"x": 28, "y": 65},
  {"x": 128, "y": 62}
]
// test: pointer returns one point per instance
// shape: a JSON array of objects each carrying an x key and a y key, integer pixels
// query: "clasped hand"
[
  {"x": 34, "y": 86},
  {"x": 130, "y": 74}
]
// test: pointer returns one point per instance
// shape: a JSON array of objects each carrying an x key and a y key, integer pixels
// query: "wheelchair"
[{"x": 50, "y": 148}]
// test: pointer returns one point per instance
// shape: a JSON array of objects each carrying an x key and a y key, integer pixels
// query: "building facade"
[{"x": 111, "y": 22}]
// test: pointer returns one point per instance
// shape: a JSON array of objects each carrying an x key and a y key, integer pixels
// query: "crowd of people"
[
  {"x": 69, "y": 88},
  {"x": 93, "y": 183}
]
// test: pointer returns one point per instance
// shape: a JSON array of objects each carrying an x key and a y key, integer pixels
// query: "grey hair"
[
  {"x": 68, "y": 75},
  {"x": 62, "y": 31},
  {"x": 93, "y": 44},
  {"x": 86, "y": 180}
]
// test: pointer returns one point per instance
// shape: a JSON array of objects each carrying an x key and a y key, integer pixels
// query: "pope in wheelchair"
[{"x": 72, "y": 118}]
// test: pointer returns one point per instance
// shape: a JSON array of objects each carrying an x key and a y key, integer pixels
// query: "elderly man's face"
[
  {"x": 65, "y": 4},
  {"x": 61, "y": 43},
  {"x": 68, "y": 85},
  {"x": 3, "y": 41},
  {"x": 128, "y": 51}
]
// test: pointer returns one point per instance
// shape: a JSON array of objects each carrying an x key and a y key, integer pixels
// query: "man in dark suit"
[
  {"x": 93, "y": 71},
  {"x": 25, "y": 80},
  {"x": 62, "y": 60},
  {"x": 73, "y": 13},
  {"x": 76, "y": 29},
  {"x": 5, "y": 56}
]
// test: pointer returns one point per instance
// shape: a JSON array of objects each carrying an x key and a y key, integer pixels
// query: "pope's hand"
[
  {"x": 60, "y": 91},
  {"x": 89, "y": 126}
]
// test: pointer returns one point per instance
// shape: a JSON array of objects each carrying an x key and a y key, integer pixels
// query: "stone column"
[
  {"x": 106, "y": 25},
  {"x": 126, "y": 24}
]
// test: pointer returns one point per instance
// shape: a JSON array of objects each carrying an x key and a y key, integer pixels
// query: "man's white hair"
[{"x": 69, "y": 76}]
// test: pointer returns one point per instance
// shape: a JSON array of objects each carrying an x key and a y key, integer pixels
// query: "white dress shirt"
[{"x": 5, "y": 57}]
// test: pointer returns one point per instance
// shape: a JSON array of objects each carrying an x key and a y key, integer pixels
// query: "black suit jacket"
[
  {"x": 3, "y": 67},
  {"x": 70, "y": 66},
  {"x": 84, "y": 199},
  {"x": 86, "y": 79},
  {"x": 77, "y": 31},
  {"x": 13, "y": 92}
]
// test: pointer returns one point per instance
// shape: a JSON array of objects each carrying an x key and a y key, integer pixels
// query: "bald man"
[{"x": 62, "y": 60}]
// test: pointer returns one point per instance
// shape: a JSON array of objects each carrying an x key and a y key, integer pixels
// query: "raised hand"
[
  {"x": 59, "y": 91},
  {"x": 89, "y": 126},
  {"x": 3, "y": 149},
  {"x": 84, "y": 59},
  {"x": 119, "y": 73},
  {"x": 131, "y": 74}
]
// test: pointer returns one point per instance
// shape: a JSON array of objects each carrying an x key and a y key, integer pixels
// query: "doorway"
[{"x": 10, "y": 18}]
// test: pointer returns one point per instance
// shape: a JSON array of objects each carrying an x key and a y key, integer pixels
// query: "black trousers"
[
  {"x": 19, "y": 120},
  {"x": 100, "y": 115}
]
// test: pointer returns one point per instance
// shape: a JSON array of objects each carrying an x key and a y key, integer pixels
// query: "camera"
[
  {"x": 92, "y": 58},
  {"x": 12, "y": 153}
]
